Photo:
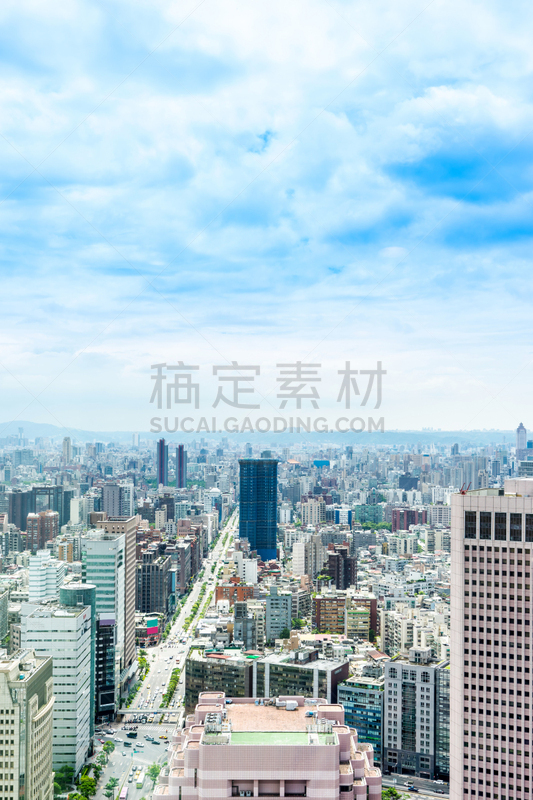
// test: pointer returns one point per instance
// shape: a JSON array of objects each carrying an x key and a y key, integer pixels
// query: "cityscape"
[
  {"x": 266, "y": 447},
  {"x": 160, "y": 598}
]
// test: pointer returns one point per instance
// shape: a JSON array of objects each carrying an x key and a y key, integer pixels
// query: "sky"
[{"x": 323, "y": 181}]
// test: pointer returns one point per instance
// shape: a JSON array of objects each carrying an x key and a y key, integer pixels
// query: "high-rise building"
[
  {"x": 118, "y": 499},
  {"x": 258, "y": 505},
  {"x": 108, "y": 562},
  {"x": 278, "y": 613},
  {"x": 411, "y": 714},
  {"x": 26, "y": 720},
  {"x": 492, "y": 538},
  {"x": 40, "y": 529},
  {"x": 362, "y": 699},
  {"x": 181, "y": 467},
  {"x": 46, "y": 576},
  {"x": 153, "y": 581},
  {"x": 73, "y": 595},
  {"x": 64, "y": 634},
  {"x": 67, "y": 450},
  {"x": 521, "y": 438},
  {"x": 162, "y": 463}
]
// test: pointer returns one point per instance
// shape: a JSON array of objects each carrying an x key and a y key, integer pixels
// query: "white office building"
[
  {"x": 46, "y": 576},
  {"x": 64, "y": 634}
]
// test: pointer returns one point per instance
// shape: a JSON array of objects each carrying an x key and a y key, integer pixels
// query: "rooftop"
[{"x": 251, "y": 718}]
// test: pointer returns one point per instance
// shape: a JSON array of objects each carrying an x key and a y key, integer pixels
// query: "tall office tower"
[
  {"x": 162, "y": 463},
  {"x": 135, "y": 440},
  {"x": 20, "y": 504},
  {"x": 40, "y": 529},
  {"x": 46, "y": 576},
  {"x": 67, "y": 450},
  {"x": 490, "y": 732},
  {"x": 111, "y": 499},
  {"x": 181, "y": 467},
  {"x": 64, "y": 634},
  {"x": 76, "y": 594},
  {"x": 26, "y": 717},
  {"x": 118, "y": 499},
  {"x": 108, "y": 562},
  {"x": 153, "y": 581},
  {"x": 521, "y": 443},
  {"x": 258, "y": 505},
  {"x": 521, "y": 437}
]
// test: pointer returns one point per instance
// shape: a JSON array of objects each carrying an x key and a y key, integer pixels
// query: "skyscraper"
[
  {"x": 521, "y": 437},
  {"x": 64, "y": 634},
  {"x": 490, "y": 731},
  {"x": 76, "y": 594},
  {"x": 67, "y": 450},
  {"x": 521, "y": 442},
  {"x": 162, "y": 463},
  {"x": 258, "y": 505},
  {"x": 181, "y": 467},
  {"x": 26, "y": 715},
  {"x": 41, "y": 528}
]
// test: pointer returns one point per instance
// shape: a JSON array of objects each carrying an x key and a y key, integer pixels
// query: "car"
[
  {"x": 163, "y": 736},
  {"x": 130, "y": 779},
  {"x": 154, "y": 741},
  {"x": 127, "y": 744},
  {"x": 149, "y": 738},
  {"x": 139, "y": 744},
  {"x": 102, "y": 741},
  {"x": 412, "y": 789},
  {"x": 439, "y": 791}
]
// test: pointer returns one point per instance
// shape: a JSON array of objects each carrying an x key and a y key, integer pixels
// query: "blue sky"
[{"x": 265, "y": 182}]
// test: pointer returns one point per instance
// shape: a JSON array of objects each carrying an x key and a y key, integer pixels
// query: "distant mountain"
[{"x": 473, "y": 438}]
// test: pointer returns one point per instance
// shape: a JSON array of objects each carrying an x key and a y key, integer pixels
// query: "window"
[
  {"x": 516, "y": 527},
  {"x": 500, "y": 526},
  {"x": 425, "y": 677},
  {"x": 485, "y": 524},
  {"x": 529, "y": 527},
  {"x": 470, "y": 524},
  {"x": 393, "y": 673}
]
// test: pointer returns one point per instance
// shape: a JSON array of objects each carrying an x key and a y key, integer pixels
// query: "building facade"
[
  {"x": 286, "y": 748},
  {"x": 490, "y": 731},
  {"x": 26, "y": 717},
  {"x": 64, "y": 634},
  {"x": 258, "y": 505}
]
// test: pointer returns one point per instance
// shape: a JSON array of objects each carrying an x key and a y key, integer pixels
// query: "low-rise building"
[{"x": 285, "y": 747}]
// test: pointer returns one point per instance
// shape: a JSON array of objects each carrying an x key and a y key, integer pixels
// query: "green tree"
[
  {"x": 285, "y": 634},
  {"x": 57, "y": 788},
  {"x": 297, "y": 624},
  {"x": 112, "y": 783},
  {"x": 76, "y": 796},
  {"x": 371, "y": 635},
  {"x": 153, "y": 772},
  {"x": 87, "y": 786},
  {"x": 108, "y": 747}
]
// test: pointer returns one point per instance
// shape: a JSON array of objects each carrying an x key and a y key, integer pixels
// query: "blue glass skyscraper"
[{"x": 258, "y": 505}]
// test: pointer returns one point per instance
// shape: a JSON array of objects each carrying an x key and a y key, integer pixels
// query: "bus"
[
  {"x": 124, "y": 794},
  {"x": 140, "y": 780}
]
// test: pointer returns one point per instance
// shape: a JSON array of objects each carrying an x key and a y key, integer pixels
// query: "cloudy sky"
[{"x": 266, "y": 182}]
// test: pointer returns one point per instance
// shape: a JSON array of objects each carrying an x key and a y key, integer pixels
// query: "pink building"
[
  {"x": 490, "y": 722},
  {"x": 285, "y": 747}
]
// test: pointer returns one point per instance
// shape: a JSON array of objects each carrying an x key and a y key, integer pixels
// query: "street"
[{"x": 162, "y": 659}]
